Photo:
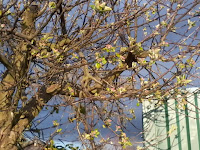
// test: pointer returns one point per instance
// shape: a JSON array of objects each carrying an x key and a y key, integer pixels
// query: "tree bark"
[
  {"x": 13, "y": 121},
  {"x": 7, "y": 138}
]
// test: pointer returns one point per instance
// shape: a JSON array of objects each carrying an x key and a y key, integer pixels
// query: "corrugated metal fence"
[{"x": 175, "y": 125}]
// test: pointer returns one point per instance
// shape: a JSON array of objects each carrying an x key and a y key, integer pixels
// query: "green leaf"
[
  {"x": 92, "y": 6},
  {"x": 98, "y": 65},
  {"x": 191, "y": 24},
  {"x": 34, "y": 52},
  {"x": 181, "y": 66},
  {"x": 107, "y": 8},
  {"x": 123, "y": 49},
  {"x": 58, "y": 130},
  {"x": 96, "y": 3},
  {"x": 74, "y": 55},
  {"x": 47, "y": 36},
  {"x": 172, "y": 129},
  {"x": 94, "y": 133},
  {"x": 104, "y": 61},
  {"x": 163, "y": 23},
  {"x": 102, "y": 5},
  {"x": 52, "y": 5},
  {"x": 87, "y": 136},
  {"x": 55, "y": 123},
  {"x": 71, "y": 90},
  {"x": 117, "y": 54},
  {"x": 8, "y": 12}
]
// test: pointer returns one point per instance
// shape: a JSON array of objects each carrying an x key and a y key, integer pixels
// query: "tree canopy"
[{"x": 94, "y": 58}]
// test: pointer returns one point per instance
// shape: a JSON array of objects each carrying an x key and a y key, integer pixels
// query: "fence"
[{"x": 175, "y": 125}]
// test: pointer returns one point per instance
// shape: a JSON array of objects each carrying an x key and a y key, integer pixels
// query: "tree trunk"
[
  {"x": 7, "y": 138},
  {"x": 8, "y": 141}
]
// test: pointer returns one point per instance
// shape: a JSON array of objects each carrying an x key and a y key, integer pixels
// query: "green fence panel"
[{"x": 173, "y": 126}]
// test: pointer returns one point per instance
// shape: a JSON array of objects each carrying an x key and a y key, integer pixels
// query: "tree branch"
[{"x": 5, "y": 62}]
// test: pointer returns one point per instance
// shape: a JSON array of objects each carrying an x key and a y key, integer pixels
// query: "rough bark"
[{"x": 13, "y": 121}]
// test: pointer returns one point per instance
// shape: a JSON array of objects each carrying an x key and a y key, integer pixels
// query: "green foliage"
[
  {"x": 124, "y": 140},
  {"x": 109, "y": 48},
  {"x": 52, "y": 5},
  {"x": 138, "y": 104},
  {"x": 101, "y": 8},
  {"x": 181, "y": 80},
  {"x": 108, "y": 123},
  {"x": 58, "y": 130},
  {"x": 55, "y": 123},
  {"x": 191, "y": 24},
  {"x": 94, "y": 134}
]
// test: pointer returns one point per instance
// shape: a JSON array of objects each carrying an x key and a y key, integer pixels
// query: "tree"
[{"x": 95, "y": 57}]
